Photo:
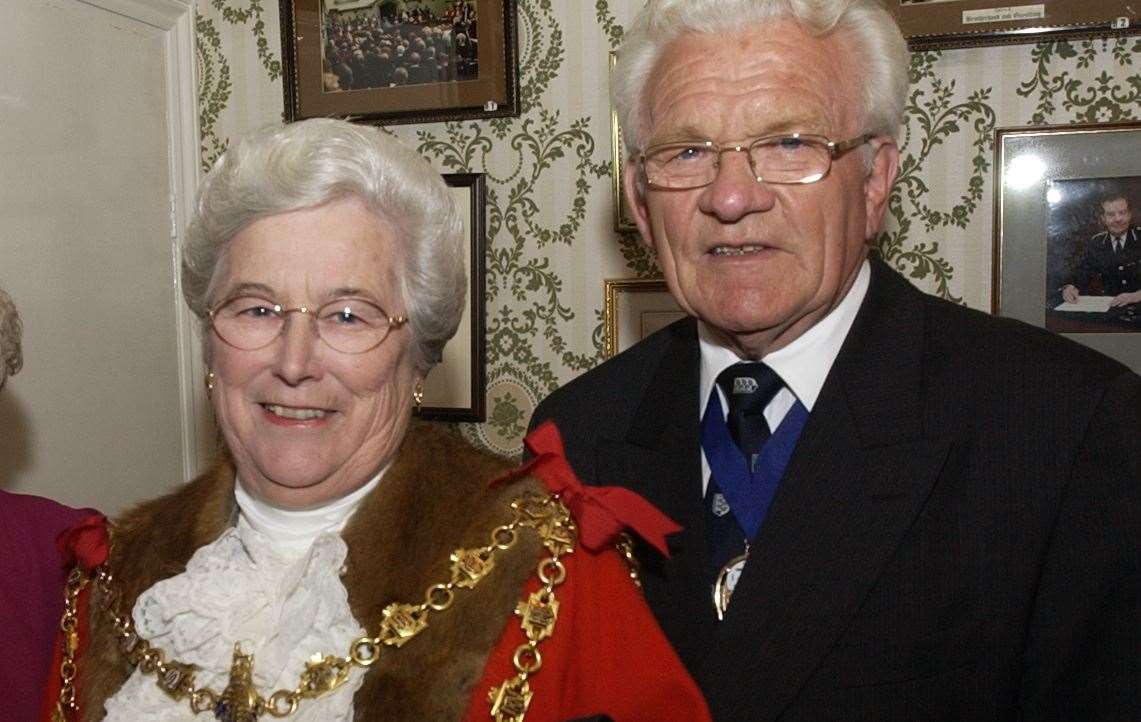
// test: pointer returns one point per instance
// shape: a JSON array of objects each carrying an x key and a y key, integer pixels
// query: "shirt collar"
[
  {"x": 804, "y": 364},
  {"x": 295, "y": 529}
]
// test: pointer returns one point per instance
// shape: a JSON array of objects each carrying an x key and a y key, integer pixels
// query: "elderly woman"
[
  {"x": 11, "y": 358},
  {"x": 31, "y": 579},
  {"x": 338, "y": 562}
]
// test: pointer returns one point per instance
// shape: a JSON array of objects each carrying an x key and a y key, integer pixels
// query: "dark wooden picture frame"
[
  {"x": 456, "y": 388},
  {"x": 1030, "y": 162},
  {"x": 492, "y": 91},
  {"x": 939, "y": 24}
]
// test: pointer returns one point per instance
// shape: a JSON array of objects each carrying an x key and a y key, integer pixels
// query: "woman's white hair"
[
  {"x": 11, "y": 359},
  {"x": 309, "y": 163},
  {"x": 880, "y": 64}
]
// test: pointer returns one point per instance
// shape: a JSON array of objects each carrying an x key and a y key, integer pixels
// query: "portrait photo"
[{"x": 1093, "y": 255}]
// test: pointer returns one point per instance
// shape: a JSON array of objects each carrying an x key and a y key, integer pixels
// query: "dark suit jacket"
[
  {"x": 1119, "y": 272},
  {"x": 955, "y": 538}
]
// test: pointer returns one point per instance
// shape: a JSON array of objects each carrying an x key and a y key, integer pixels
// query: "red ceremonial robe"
[{"x": 607, "y": 655}]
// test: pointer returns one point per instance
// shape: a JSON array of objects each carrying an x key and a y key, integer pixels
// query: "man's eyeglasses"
[
  {"x": 348, "y": 325},
  {"x": 789, "y": 158}
]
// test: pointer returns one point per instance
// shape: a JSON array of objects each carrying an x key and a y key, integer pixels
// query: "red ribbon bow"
[
  {"x": 87, "y": 543},
  {"x": 601, "y": 512}
]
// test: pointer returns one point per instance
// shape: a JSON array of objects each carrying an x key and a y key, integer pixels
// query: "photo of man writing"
[{"x": 1111, "y": 265}]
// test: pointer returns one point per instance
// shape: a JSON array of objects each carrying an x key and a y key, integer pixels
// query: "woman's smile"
[{"x": 292, "y": 415}]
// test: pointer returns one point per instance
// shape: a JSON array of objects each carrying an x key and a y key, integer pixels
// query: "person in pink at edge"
[{"x": 31, "y": 573}]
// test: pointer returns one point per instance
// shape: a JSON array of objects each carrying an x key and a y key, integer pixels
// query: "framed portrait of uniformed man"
[
  {"x": 1067, "y": 240},
  {"x": 1093, "y": 255}
]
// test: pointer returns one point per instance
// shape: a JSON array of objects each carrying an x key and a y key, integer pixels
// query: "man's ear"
[
  {"x": 636, "y": 201},
  {"x": 879, "y": 182}
]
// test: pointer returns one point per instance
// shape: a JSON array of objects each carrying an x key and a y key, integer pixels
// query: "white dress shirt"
[{"x": 803, "y": 365}]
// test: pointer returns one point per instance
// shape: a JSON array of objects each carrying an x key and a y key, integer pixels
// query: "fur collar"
[{"x": 432, "y": 500}]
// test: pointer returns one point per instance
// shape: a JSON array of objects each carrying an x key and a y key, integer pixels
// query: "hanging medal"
[
  {"x": 726, "y": 582},
  {"x": 748, "y": 487}
]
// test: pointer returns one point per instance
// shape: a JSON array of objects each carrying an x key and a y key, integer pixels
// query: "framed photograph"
[
  {"x": 1067, "y": 237},
  {"x": 938, "y": 24},
  {"x": 623, "y": 221},
  {"x": 633, "y": 309},
  {"x": 391, "y": 61},
  {"x": 456, "y": 387}
]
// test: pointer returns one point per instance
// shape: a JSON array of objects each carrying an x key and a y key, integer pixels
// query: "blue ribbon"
[{"x": 749, "y": 493}]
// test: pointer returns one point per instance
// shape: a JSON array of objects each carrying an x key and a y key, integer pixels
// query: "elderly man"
[{"x": 893, "y": 507}]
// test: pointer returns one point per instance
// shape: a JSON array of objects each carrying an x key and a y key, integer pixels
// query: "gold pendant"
[
  {"x": 400, "y": 623},
  {"x": 539, "y": 614},
  {"x": 727, "y": 581},
  {"x": 510, "y": 700},
  {"x": 471, "y": 565},
  {"x": 177, "y": 680},
  {"x": 323, "y": 673},
  {"x": 240, "y": 701}
]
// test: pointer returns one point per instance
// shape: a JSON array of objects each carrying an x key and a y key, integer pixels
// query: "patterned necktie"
[{"x": 749, "y": 387}]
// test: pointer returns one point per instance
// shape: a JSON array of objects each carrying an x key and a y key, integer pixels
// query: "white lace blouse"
[{"x": 271, "y": 583}]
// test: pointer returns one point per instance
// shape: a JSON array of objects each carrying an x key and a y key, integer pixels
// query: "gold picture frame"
[{"x": 634, "y": 308}]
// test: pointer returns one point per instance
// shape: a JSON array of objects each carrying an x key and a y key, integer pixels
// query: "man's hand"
[
  {"x": 1124, "y": 299},
  {"x": 1070, "y": 293}
]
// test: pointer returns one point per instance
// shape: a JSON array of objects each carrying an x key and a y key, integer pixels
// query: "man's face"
[
  {"x": 1116, "y": 216},
  {"x": 803, "y": 244}
]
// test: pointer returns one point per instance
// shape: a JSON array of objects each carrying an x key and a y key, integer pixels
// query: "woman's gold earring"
[
  {"x": 418, "y": 395},
  {"x": 209, "y": 382}
]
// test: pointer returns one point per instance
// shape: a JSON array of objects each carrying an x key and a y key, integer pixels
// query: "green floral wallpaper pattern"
[{"x": 551, "y": 240}]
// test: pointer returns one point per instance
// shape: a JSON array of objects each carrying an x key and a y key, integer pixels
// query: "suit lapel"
[
  {"x": 659, "y": 458},
  {"x": 1132, "y": 241},
  {"x": 859, "y": 476}
]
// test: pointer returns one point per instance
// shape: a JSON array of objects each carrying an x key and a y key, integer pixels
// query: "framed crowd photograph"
[
  {"x": 1067, "y": 239},
  {"x": 396, "y": 61},
  {"x": 623, "y": 221},
  {"x": 455, "y": 389},
  {"x": 633, "y": 309},
  {"x": 938, "y": 24}
]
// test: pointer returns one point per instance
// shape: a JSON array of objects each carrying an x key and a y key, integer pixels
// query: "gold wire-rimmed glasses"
[
  {"x": 788, "y": 158},
  {"x": 348, "y": 325}
]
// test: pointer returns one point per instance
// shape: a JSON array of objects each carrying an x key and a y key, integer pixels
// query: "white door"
[{"x": 97, "y": 144}]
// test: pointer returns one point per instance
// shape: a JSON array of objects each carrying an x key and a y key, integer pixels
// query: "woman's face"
[{"x": 307, "y": 424}]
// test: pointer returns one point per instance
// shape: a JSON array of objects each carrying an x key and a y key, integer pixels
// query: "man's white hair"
[{"x": 880, "y": 64}]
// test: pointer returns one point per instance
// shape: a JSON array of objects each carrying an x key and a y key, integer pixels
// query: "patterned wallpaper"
[{"x": 551, "y": 237}]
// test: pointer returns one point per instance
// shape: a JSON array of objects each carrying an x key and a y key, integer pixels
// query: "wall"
[
  {"x": 550, "y": 214},
  {"x": 92, "y": 144}
]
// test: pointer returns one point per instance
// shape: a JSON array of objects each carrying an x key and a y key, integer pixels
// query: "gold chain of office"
[{"x": 400, "y": 622}]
